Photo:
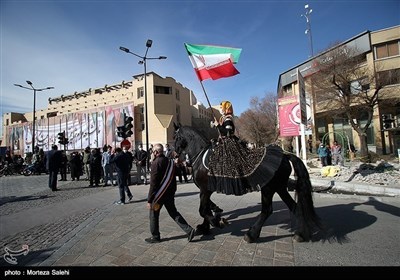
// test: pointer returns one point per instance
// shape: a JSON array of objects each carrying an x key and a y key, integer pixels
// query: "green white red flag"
[{"x": 213, "y": 62}]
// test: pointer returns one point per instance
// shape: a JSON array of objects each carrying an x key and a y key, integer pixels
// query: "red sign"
[{"x": 126, "y": 143}]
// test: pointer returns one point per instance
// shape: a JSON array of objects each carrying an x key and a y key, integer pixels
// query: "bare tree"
[
  {"x": 259, "y": 123},
  {"x": 345, "y": 85}
]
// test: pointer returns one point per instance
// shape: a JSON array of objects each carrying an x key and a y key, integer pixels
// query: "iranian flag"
[{"x": 213, "y": 62}]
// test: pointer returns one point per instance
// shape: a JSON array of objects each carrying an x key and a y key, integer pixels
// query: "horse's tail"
[{"x": 307, "y": 219}]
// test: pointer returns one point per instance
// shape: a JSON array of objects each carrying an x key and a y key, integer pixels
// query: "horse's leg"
[
  {"x": 207, "y": 206},
  {"x": 266, "y": 210},
  {"x": 215, "y": 208},
  {"x": 291, "y": 204},
  {"x": 205, "y": 212}
]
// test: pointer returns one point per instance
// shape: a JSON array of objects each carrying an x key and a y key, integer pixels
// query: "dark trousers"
[
  {"x": 181, "y": 170},
  {"x": 123, "y": 187},
  {"x": 63, "y": 172},
  {"x": 173, "y": 213},
  {"x": 324, "y": 161},
  {"x": 95, "y": 175},
  {"x": 128, "y": 177},
  {"x": 53, "y": 179}
]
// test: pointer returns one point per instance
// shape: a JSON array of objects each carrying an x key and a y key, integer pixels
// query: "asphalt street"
[{"x": 80, "y": 226}]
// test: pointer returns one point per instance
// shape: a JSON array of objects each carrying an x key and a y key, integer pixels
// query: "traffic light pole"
[
  {"x": 62, "y": 140},
  {"x": 125, "y": 131}
]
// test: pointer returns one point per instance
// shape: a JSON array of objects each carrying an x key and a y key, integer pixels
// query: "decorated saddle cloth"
[{"x": 236, "y": 169}]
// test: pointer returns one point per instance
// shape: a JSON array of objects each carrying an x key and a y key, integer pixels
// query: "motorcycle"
[
  {"x": 6, "y": 169},
  {"x": 32, "y": 169}
]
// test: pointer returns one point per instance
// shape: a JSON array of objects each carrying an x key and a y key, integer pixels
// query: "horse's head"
[
  {"x": 180, "y": 141},
  {"x": 189, "y": 140}
]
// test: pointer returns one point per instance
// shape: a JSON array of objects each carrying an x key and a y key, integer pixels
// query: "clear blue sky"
[{"x": 74, "y": 45}]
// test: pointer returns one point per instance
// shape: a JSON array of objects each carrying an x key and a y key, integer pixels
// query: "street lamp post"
[
  {"x": 143, "y": 60},
  {"x": 308, "y": 30},
  {"x": 307, "y": 16},
  {"x": 34, "y": 107}
]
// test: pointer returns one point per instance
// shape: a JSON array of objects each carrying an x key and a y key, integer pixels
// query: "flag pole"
[
  {"x": 209, "y": 104},
  {"x": 208, "y": 101}
]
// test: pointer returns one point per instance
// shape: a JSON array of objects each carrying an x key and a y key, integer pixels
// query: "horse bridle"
[{"x": 197, "y": 156}]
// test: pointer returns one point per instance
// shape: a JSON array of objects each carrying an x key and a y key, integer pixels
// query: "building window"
[
  {"x": 178, "y": 113},
  {"x": 177, "y": 96},
  {"x": 140, "y": 92},
  {"x": 287, "y": 90},
  {"x": 141, "y": 117},
  {"x": 387, "y": 50},
  {"x": 162, "y": 90},
  {"x": 320, "y": 125},
  {"x": 389, "y": 77},
  {"x": 358, "y": 86}
]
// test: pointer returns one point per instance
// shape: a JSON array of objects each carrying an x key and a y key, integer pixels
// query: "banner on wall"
[{"x": 92, "y": 128}]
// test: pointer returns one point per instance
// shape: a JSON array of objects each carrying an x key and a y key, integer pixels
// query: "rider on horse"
[{"x": 232, "y": 166}]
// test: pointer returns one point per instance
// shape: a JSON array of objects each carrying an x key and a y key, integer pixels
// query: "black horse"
[{"x": 196, "y": 146}]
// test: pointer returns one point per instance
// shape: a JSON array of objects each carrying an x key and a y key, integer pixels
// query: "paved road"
[{"x": 80, "y": 226}]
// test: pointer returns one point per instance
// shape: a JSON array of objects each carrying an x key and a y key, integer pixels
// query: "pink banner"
[{"x": 289, "y": 116}]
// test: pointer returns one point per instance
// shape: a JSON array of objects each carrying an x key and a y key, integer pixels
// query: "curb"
[{"x": 357, "y": 188}]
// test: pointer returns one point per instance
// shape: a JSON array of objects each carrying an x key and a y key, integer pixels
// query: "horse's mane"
[{"x": 194, "y": 137}]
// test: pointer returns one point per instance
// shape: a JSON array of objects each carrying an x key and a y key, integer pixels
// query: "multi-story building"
[
  {"x": 379, "y": 52},
  {"x": 91, "y": 117}
]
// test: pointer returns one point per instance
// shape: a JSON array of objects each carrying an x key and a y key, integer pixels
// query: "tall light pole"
[
  {"x": 143, "y": 60},
  {"x": 34, "y": 107},
  {"x": 308, "y": 30},
  {"x": 307, "y": 15}
]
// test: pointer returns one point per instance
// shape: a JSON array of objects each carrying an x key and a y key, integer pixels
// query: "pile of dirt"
[{"x": 381, "y": 172}]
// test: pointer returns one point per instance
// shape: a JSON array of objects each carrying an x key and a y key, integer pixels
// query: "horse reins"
[{"x": 197, "y": 156}]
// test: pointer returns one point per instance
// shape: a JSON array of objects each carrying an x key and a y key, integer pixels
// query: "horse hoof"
[
  {"x": 216, "y": 222},
  {"x": 223, "y": 222},
  {"x": 298, "y": 238},
  {"x": 248, "y": 238}
]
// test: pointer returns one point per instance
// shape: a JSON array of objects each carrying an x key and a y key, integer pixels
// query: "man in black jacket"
[
  {"x": 141, "y": 159},
  {"x": 53, "y": 161},
  {"x": 162, "y": 192},
  {"x": 122, "y": 163}
]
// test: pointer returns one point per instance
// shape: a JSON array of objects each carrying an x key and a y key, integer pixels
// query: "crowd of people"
[{"x": 93, "y": 164}]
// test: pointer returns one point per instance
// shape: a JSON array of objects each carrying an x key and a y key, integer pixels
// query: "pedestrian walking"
[
  {"x": 130, "y": 159},
  {"x": 162, "y": 192},
  {"x": 107, "y": 166},
  {"x": 86, "y": 162},
  {"x": 75, "y": 164},
  {"x": 95, "y": 167},
  {"x": 53, "y": 162},
  {"x": 140, "y": 160},
  {"x": 63, "y": 166},
  {"x": 323, "y": 154},
  {"x": 122, "y": 161}
]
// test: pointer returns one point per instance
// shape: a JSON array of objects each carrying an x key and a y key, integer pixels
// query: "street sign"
[{"x": 126, "y": 143}]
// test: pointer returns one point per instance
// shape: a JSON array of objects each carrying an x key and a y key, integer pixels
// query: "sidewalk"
[{"x": 115, "y": 237}]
